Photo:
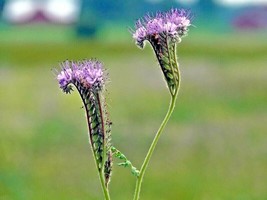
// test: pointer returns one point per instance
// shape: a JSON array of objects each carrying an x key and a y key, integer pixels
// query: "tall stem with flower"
[
  {"x": 163, "y": 32},
  {"x": 88, "y": 78}
]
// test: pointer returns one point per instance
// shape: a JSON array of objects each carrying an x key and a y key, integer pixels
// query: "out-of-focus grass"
[{"x": 213, "y": 148}]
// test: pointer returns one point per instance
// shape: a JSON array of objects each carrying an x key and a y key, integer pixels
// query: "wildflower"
[
  {"x": 87, "y": 73},
  {"x": 88, "y": 77},
  {"x": 174, "y": 23},
  {"x": 163, "y": 32}
]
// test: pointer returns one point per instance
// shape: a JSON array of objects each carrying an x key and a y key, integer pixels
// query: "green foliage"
[{"x": 126, "y": 162}]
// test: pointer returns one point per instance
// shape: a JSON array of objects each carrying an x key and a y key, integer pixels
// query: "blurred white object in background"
[
  {"x": 19, "y": 10},
  {"x": 56, "y": 11},
  {"x": 62, "y": 11}
]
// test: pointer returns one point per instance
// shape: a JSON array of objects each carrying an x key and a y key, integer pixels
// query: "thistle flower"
[
  {"x": 163, "y": 32},
  {"x": 88, "y": 77}
]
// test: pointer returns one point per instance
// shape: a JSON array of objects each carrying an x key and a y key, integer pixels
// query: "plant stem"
[
  {"x": 158, "y": 134},
  {"x": 153, "y": 145},
  {"x": 100, "y": 171},
  {"x": 104, "y": 188}
]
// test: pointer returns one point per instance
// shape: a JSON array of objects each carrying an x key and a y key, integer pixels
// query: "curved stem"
[
  {"x": 159, "y": 132},
  {"x": 153, "y": 145},
  {"x": 100, "y": 171}
]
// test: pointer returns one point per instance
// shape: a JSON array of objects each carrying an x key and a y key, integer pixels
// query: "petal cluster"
[
  {"x": 173, "y": 23},
  {"x": 89, "y": 73}
]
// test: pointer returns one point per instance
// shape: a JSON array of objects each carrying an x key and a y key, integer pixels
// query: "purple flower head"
[
  {"x": 155, "y": 26},
  {"x": 64, "y": 77},
  {"x": 88, "y": 73},
  {"x": 173, "y": 24},
  {"x": 91, "y": 73},
  {"x": 140, "y": 34},
  {"x": 170, "y": 28}
]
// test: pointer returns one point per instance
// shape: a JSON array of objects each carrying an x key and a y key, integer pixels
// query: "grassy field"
[{"x": 214, "y": 147}]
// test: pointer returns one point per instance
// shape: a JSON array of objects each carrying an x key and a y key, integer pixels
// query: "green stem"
[
  {"x": 157, "y": 136},
  {"x": 104, "y": 188},
  {"x": 152, "y": 147}
]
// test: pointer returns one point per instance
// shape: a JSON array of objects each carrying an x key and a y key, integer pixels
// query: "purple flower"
[
  {"x": 140, "y": 34},
  {"x": 88, "y": 78},
  {"x": 88, "y": 73},
  {"x": 173, "y": 24},
  {"x": 64, "y": 77},
  {"x": 163, "y": 32},
  {"x": 92, "y": 72},
  {"x": 155, "y": 26},
  {"x": 170, "y": 28}
]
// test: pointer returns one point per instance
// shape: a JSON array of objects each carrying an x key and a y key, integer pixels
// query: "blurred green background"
[{"x": 213, "y": 148}]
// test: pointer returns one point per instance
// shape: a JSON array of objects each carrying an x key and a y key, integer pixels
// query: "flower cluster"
[
  {"x": 88, "y": 78},
  {"x": 174, "y": 23},
  {"x": 89, "y": 73}
]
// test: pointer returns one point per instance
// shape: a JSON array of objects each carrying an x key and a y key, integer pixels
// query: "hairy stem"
[{"x": 99, "y": 170}]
